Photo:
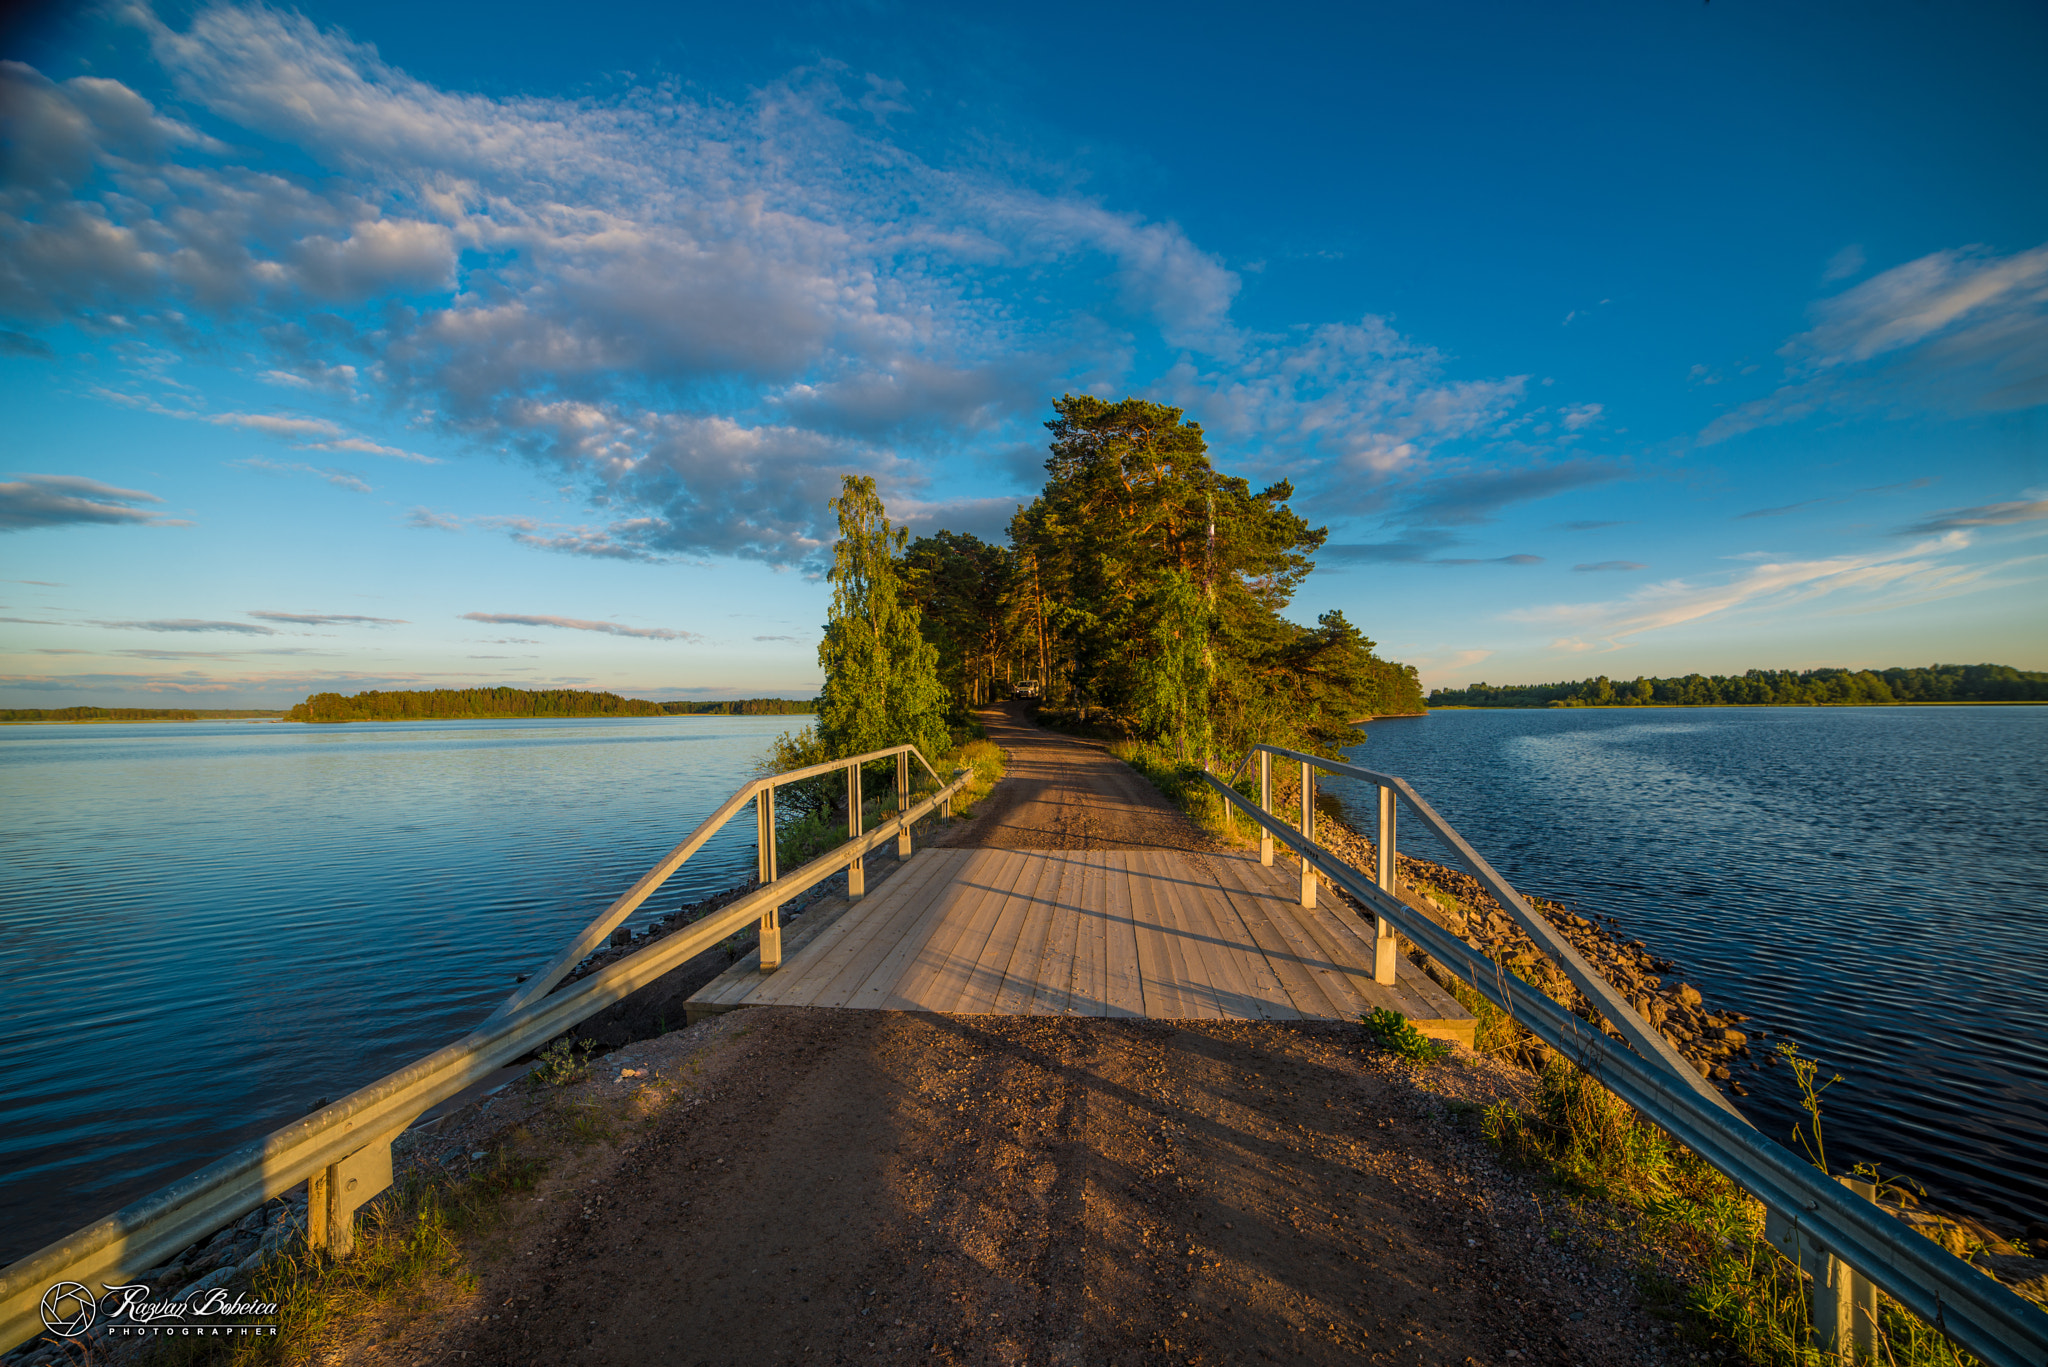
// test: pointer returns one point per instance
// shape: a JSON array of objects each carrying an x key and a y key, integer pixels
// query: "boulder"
[{"x": 1685, "y": 994}]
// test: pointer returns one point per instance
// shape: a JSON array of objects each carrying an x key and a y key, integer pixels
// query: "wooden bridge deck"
[{"x": 1133, "y": 933}]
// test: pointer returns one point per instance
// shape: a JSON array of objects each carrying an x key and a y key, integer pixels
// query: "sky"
[{"x": 368, "y": 345}]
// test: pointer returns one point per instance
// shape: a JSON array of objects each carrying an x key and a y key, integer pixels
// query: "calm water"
[
  {"x": 1872, "y": 882},
  {"x": 206, "y": 926}
]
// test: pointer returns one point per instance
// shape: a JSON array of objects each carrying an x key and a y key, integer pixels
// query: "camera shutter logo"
[{"x": 68, "y": 1308}]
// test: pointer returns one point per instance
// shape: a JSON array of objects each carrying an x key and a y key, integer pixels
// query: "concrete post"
[{"x": 1308, "y": 831}]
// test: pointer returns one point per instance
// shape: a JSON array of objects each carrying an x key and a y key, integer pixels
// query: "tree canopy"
[
  {"x": 1143, "y": 589},
  {"x": 881, "y": 674}
]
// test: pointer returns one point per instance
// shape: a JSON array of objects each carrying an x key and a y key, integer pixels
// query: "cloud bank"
[
  {"x": 519, "y": 619},
  {"x": 699, "y": 313}
]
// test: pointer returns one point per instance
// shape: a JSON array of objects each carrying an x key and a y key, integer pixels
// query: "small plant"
[
  {"x": 1397, "y": 1035},
  {"x": 1804, "y": 1072},
  {"x": 561, "y": 1063}
]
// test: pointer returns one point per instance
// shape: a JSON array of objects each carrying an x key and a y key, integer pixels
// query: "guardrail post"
[
  {"x": 1266, "y": 806},
  {"x": 771, "y": 919},
  {"x": 857, "y": 871},
  {"x": 902, "y": 803},
  {"x": 1308, "y": 832},
  {"x": 1384, "y": 943},
  {"x": 337, "y": 1191}
]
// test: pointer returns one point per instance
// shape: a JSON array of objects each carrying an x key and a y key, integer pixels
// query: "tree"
[{"x": 881, "y": 675}]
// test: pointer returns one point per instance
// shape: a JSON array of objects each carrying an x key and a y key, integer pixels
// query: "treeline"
[
  {"x": 743, "y": 707},
  {"x": 1142, "y": 591},
  {"x": 444, "y": 704},
  {"x": 129, "y": 713},
  {"x": 1768, "y": 688}
]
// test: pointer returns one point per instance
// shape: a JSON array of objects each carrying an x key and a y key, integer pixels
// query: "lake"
[
  {"x": 207, "y": 926},
  {"x": 1870, "y": 882}
]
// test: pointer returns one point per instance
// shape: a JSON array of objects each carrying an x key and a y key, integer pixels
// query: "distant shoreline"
[{"x": 1744, "y": 706}]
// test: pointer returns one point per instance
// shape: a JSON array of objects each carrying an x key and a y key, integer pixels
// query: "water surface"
[
  {"x": 205, "y": 926},
  {"x": 1871, "y": 882}
]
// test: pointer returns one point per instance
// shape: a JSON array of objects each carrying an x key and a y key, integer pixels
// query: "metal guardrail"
[
  {"x": 1976, "y": 1311},
  {"x": 343, "y": 1153}
]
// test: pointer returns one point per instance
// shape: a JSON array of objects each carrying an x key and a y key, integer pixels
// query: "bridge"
[{"x": 1160, "y": 934}]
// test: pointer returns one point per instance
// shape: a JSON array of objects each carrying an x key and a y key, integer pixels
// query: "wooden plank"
[
  {"x": 882, "y": 968},
  {"x": 1124, "y": 995},
  {"x": 1053, "y": 979},
  {"x": 1301, "y": 962},
  {"x": 1027, "y": 907},
  {"x": 1214, "y": 955},
  {"x": 851, "y": 937},
  {"x": 1089, "y": 993},
  {"x": 1231, "y": 951},
  {"x": 1172, "y": 989},
  {"x": 949, "y": 952}
]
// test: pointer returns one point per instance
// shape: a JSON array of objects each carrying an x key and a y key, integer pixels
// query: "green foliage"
[
  {"x": 958, "y": 583},
  {"x": 455, "y": 703},
  {"x": 1739, "y": 1293},
  {"x": 1768, "y": 688},
  {"x": 743, "y": 707},
  {"x": 1146, "y": 588},
  {"x": 881, "y": 675},
  {"x": 1395, "y": 1034},
  {"x": 561, "y": 1063}
]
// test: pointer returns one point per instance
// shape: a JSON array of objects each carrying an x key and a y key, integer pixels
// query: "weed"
[
  {"x": 1804, "y": 1071},
  {"x": 1738, "y": 1292},
  {"x": 1397, "y": 1035},
  {"x": 561, "y": 1063}
]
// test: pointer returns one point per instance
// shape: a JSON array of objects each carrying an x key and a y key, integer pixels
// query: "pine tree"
[{"x": 881, "y": 676}]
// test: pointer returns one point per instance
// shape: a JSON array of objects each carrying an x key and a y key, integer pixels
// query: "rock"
[
  {"x": 2028, "y": 1276},
  {"x": 1733, "y": 1038},
  {"x": 1720, "y": 1073},
  {"x": 1685, "y": 994},
  {"x": 622, "y": 936},
  {"x": 220, "y": 1276}
]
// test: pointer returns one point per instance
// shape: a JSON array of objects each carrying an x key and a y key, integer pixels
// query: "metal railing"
[
  {"x": 343, "y": 1152},
  {"x": 1822, "y": 1217}
]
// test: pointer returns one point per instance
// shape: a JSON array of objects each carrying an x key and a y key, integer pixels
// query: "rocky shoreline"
[{"x": 1719, "y": 1043}]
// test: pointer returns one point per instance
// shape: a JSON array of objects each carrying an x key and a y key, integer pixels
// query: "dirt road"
[
  {"x": 1060, "y": 793},
  {"x": 814, "y": 1186}
]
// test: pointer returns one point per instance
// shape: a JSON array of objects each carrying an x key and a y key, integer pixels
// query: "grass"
[
  {"x": 1181, "y": 782},
  {"x": 1738, "y": 1294},
  {"x": 408, "y": 1262}
]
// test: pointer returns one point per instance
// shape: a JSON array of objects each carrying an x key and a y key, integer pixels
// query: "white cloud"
[
  {"x": 580, "y": 624},
  {"x": 1922, "y": 572},
  {"x": 702, "y": 312},
  {"x": 31, "y": 501},
  {"x": 1957, "y": 330}
]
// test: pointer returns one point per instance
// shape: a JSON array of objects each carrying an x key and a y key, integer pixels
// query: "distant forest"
[
  {"x": 442, "y": 704},
  {"x": 1768, "y": 688},
  {"x": 126, "y": 714}
]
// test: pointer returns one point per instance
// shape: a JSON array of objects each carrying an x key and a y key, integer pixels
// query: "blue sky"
[{"x": 366, "y": 345}]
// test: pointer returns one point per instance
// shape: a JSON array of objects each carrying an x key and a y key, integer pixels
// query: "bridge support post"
[
  {"x": 1384, "y": 944},
  {"x": 1266, "y": 806},
  {"x": 902, "y": 803},
  {"x": 857, "y": 871},
  {"x": 1308, "y": 831},
  {"x": 771, "y": 920}
]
